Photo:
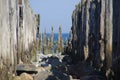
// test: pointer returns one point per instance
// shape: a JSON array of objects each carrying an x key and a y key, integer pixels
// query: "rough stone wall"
[
  {"x": 95, "y": 29},
  {"x": 15, "y": 39}
]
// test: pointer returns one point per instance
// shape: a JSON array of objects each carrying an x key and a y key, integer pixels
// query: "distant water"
[{"x": 65, "y": 36}]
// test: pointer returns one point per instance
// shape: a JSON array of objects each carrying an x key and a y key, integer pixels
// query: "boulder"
[
  {"x": 43, "y": 75},
  {"x": 27, "y": 68},
  {"x": 17, "y": 78},
  {"x": 53, "y": 75},
  {"x": 25, "y": 76}
]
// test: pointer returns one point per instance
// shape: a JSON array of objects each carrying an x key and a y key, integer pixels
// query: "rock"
[
  {"x": 92, "y": 77},
  {"x": 84, "y": 71},
  {"x": 54, "y": 74},
  {"x": 40, "y": 69},
  {"x": 17, "y": 78},
  {"x": 48, "y": 68},
  {"x": 67, "y": 59},
  {"x": 71, "y": 77},
  {"x": 60, "y": 75},
  {"x": 43, "y": 75},
  {"x": 44, "y": 64},
  {"x": 54, "y": 61},
  {"x": 25, "y": 76},
  {"x": 28, "y": 68}
]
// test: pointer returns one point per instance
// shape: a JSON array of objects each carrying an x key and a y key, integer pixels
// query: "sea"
[{"x": 65, "y": 36}]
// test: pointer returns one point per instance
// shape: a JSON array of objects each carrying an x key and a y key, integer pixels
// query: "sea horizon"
[{"x": 65, "y": 36}]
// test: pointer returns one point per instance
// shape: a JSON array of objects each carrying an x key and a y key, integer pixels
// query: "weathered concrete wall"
[
  {"x": 95, "y": 28},
  {"x": 15, "y": 40}
]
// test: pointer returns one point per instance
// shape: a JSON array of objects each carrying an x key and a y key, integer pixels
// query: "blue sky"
[{"x": 54, "y": 13}]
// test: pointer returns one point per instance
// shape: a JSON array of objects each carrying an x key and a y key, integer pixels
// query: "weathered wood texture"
[
  {"x": 95, "y": 29},
  {"x": 15, "y": 40}
]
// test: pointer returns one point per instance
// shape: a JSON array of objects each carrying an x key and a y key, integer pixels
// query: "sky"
[{"x": 54, "y": 13}]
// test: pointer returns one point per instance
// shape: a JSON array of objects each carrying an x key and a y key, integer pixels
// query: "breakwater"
[{"x": 18, "y": 28}]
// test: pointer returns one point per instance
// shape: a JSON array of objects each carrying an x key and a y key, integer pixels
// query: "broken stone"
[
  {"x": 17, "y": 78},
  {"x": 28, "y": 68},
  {"x": 25, "y": 76}
]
